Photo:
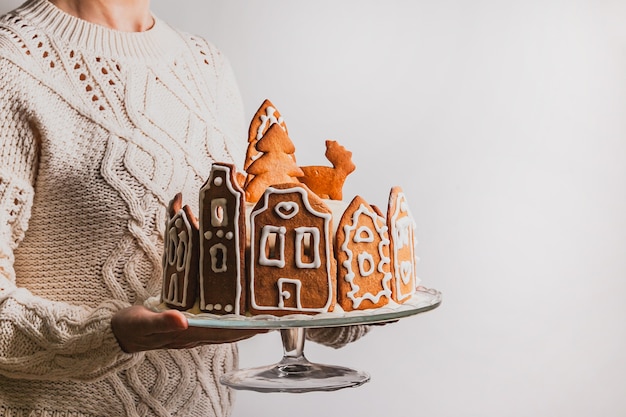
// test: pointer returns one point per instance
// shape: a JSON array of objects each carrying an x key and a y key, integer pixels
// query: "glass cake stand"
[{"x": 295, "y": 373}]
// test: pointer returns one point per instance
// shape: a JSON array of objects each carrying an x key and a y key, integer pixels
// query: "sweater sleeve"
[
  {"x": 40, "y": 338},
  {"x": 337, "y": 337}
]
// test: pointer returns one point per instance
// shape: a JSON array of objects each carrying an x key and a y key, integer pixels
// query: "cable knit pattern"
[{"x": 98, "y": 130}]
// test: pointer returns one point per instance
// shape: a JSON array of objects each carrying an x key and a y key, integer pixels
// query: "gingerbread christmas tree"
[
  {"x": 275, "y": 165},
  {"x": 263, "y": 119}
]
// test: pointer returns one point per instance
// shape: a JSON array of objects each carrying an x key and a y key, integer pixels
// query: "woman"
[{"x": 106, "y": 113}]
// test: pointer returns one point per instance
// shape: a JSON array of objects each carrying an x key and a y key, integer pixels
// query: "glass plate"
[{"x": 423, "y": 300}]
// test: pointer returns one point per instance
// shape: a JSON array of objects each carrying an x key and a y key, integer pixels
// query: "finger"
[
  {"x": 202, "y": 335},
  {"x": 197, "y": 336}
]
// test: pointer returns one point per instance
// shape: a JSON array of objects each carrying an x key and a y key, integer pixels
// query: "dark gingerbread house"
[
  {"x": 180, "y": 257},
  {"x": 222, "y": 243}
]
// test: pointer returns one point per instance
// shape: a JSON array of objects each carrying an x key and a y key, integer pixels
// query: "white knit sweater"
[{"x": 99, "y": 129}]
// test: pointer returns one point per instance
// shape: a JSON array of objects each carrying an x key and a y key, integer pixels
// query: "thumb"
[{"x": 168, "y": 321}]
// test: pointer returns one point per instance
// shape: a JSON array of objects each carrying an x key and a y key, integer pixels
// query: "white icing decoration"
[
  {"x": 172, "y": 244},
  {"x": 363, "y": 235},
  {"x": 278, "y": 244},
  {"x": 228, "y": 308},
  {"x": 217, "y": 307},
  {"x": 181, "y": 251},
  {"x": 365, "y": 258},
  {"x": 313, "y": 245},
  {"x": 178, "y": 247},
  {"x": 284, "y": 294},
  {"x": 286, "y": 209},
  {"x": 218, "y": 181},
  {"x": 214, "y": 250},
  {"x": 404, "y": 232},
  {"x": 208, "y": 235},
  {"x": 219, "y": 215},
  {"x": 219, "y": 233},
  {"x": 270, "y": 117},
  {"x": 173, "y": 290},
  {"x": 327, "y": 217},
  {"x": 406, "y": 269},
  {"x": 229, "y": 235}
]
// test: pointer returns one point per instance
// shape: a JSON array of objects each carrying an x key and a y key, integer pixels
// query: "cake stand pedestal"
[{"x": 294, "y": 373}]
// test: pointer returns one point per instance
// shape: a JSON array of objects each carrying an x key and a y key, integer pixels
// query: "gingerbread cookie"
[
  {"x": 402, "y": 236},
  {"x": 265, "y": 116},
  {"x": 275, "y": 165},
  {"x": 292, "y": 267},
  {"x": 363, "y": 261},
  {"x": 222, "y": 242},
  {"x": 180, "y": 257},
  {"x": 327, "y": 182}
]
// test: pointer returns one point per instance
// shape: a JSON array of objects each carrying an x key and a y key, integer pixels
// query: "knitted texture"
[{"x": 99, "y": 129}]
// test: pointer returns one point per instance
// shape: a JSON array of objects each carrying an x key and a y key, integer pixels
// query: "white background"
[{"x": 505, "y": 123}]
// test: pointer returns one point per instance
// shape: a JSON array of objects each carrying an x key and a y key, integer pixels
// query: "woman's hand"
[{"x": 138, "y": 329}]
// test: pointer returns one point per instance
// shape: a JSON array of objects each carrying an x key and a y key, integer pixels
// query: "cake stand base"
[
  {"x": 294, "y": 373},
  {"x": 296, "y": 378}
]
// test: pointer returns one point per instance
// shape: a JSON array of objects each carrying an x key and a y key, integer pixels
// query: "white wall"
[{"x": 505, "y": 123}]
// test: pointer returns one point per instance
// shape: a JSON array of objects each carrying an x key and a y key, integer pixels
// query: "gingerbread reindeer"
[{"x": 327, "y": 182}]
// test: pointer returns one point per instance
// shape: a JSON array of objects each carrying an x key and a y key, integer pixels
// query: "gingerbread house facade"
[
  {"x": 363, "y": 260},
  {"x": 402, "y": 234},
  {"x": 296, "y": 263},
  {"x": 180, "y": 257},
  {"x": 292, "y": 267},
  {"x": 222, "y": 243}
]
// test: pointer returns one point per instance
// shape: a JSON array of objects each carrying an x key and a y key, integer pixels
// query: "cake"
[{"x": 279, "y": 239}]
